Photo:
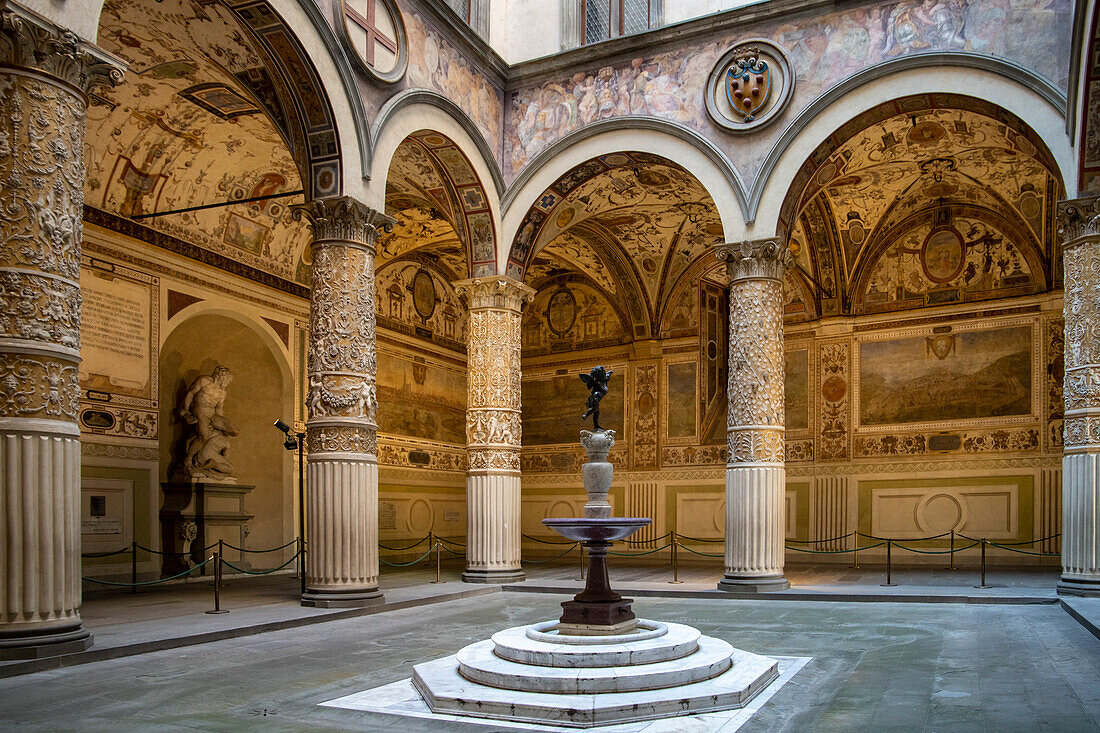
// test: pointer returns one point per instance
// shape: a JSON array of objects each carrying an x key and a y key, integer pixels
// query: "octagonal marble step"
[
  {"x": 478, "y": 663},
  {"x": 668, "y": 641},
  {"x": 447, "y": 691}
]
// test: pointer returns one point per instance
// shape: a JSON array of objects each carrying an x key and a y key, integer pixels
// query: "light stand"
[{"x": 297, "y": 442}]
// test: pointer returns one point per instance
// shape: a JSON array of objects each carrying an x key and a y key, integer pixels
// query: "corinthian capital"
[
  {"x": 30, "y": 41},
  {"x": 497, "y": 291},
  {"x": 344, "y": 219},
  {"x": 755, "y": 259},
  {"x": 1078, "y": 218}
]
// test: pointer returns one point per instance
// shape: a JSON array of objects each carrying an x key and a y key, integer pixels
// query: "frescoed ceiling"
[
  {"x": 923, "y": 202},
  {"x": 632, "y": 224},
  {"x": 198, "y": 120},
  {"x": 440, "y": 205}
]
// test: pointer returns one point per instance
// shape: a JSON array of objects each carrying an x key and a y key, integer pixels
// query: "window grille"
[
  {"x": 604, "y": 19},
  {"x": 597, "y": 20},
  {"x": 462, "y": 7},
  {"x": 635, "y": 16}
]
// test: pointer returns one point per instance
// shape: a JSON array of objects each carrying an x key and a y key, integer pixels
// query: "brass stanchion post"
[
  {"x": 133, "y": 566},
  {"x": 675, "y": 563},
  {"x": 889, "y": 544},
  {"x": 437, "y": 561},
  {"x": 983, "y": 585},
  {"x": 217, "y": 558}
]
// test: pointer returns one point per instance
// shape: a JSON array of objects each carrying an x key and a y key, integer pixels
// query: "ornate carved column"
[
  {"x": 341, "y": 429},
  {"x": 493, "y": 428},
  {"x": 1079, "y": 227},
  {"x": 45, "y": 73},
  {"x": 755, "y": 476}
]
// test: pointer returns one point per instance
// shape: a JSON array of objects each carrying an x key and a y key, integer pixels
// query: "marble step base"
[
  {"x": 478, "y": 663},
  {"x": 654, "y": 642},
  {"x": 445, "y": 690}
]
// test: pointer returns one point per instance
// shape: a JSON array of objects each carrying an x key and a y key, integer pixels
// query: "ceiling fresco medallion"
[
  {"x": 374, "y": 35},
  {"x": 749, "y": 86}
]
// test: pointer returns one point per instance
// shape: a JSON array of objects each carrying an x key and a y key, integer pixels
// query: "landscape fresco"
[
  {"x": 552, "y": 409},
  {"x": 420, "y": 401},
  {"x": 796, "y": 389},
  {"x": 983, "y": 374}
]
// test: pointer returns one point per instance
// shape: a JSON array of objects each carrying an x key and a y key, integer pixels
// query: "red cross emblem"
[{"x": 376, "y": 35}]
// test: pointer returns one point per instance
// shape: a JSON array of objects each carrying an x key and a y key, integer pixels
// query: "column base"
[
  {"x": 336, "y": 599},
  {"x": 1079, "y": 587},
  {"x": 754, "y": 583},
  {"x": 48, "y": 644},
  {"x": 493, "y": 576}
]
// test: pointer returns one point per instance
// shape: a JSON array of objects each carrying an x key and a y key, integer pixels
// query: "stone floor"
[{"x": 875, "y": 667}]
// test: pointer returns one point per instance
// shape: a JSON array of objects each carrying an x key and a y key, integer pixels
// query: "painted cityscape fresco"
[
  {"x": 553, "y": 408},
  {"x": 419, "y": 400},
  {"x": 947, "y": 376}
]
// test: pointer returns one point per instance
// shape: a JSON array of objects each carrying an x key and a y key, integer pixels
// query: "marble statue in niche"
[{"x": 202, "y": 408}]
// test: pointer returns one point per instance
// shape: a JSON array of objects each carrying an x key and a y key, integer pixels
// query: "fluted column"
[
  {"x": 1079, "y": 227},
  {"x": 493, "y": 428},
  {"x": 45, "y": 74},
  {"x": 341, "y": 429},
  {"x": 755, "y": 476}
]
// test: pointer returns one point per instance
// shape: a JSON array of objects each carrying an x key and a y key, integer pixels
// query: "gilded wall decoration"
[
  {"x": 834, "y": 358},
  {"x": 1054, "y": 350},
  {"x": 644, "y": 436},
  {"x": 952, "y": 375},
  {"x": 110, "y": 420},
  {"x": 692, "y": 455},
  {"x": 432, "y": 457},
  {"x": 823, "y": 49},
  {"x": 968, "y": 441},
  {"x": 936, "y": 264},
  {"x": 799, "y": 451},
  {"x": 570, "y": 315},
  {"x": 416, "y": 300}
]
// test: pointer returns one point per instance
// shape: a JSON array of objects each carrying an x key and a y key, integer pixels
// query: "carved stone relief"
[
  {"x": 493, "y": 422},
  {"x": 1079, "y": 225}
]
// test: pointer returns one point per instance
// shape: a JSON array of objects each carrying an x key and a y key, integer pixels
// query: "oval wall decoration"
[
  {"x": 423, "y": 292},
  {"x": 374, "y": 36},
  {"x": 561, "y": 312},
  {"x": 751, "y": 84},
  {"x": 943, "y": 255}
]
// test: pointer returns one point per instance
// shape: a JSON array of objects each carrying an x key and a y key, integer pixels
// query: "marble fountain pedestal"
[{"x": 598, "y": 664}]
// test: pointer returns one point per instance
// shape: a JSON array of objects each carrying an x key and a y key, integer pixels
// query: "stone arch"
[
  {"x": 690, "y": 150},
  {"x": 1029, "y": 98},
  {"x": 323, "y": 95},
  {"x": 447, "y": 138}
]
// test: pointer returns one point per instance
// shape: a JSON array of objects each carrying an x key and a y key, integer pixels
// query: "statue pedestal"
[{"x": 196, "y": 514}]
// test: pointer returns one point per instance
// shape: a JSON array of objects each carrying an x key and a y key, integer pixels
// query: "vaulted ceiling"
[{"x": 924, "y": 201}]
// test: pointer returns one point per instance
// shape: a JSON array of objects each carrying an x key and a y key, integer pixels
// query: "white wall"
[{"x": 520, "y": 30}]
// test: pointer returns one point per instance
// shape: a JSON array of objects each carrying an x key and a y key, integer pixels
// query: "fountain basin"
[{"x": 587, "y": 529}]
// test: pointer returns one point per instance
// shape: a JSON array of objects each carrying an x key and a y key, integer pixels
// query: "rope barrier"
[
  {"x": 273, "y": 549},
  {"x": 555, "y": 557},
  {"x": 644, "y": 542},
  {"x": 696, "y": 552},
  {"x": 936, "y": 552},
  {"x": 261, "y": 572},
  {"x": 698, "y": 539},
  {"x": 1024, "y": 552},
  {"x": 420, "y": 541},
  {"x": 834, "y": 552},
  {"x": 827, "y": 539},
  {"x": 447, "y": 549},
  {"x": 547, "y": 542},
  {"x": 174, "y": 554},
  {"x": 152, "y": 582},
  {"x": 406, "y": 564},
  {"x": 908, "y": 539},
  {"x": 1024, "y": 542},
  {"x": 639, "y": 554},
  {"x": 104, "y": 554},
  {"x": 456, "y": 543}
]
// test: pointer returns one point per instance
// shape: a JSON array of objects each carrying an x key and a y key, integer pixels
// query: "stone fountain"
[{"x": 598, "y": 664}]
